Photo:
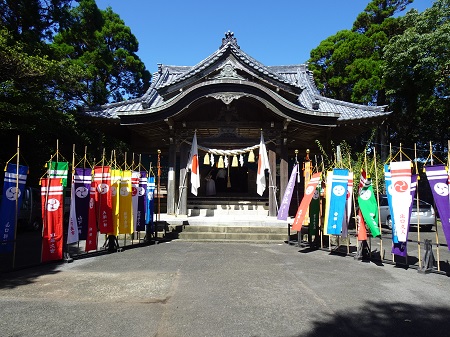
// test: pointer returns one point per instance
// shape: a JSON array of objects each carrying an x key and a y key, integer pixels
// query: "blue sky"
[{"x": 185, "y": 32}]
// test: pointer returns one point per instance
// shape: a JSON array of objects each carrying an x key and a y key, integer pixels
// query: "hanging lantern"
[
  {"x": 234, "y": 163},
  {"x": 206, "y": 159},
  {"x": 220, "y": 163},
  {"x": 251, "y": 157}
]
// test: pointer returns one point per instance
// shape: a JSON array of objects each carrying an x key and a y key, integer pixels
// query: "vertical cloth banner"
[
  {"x": 14, "y": 177},
  {"x": 286, "y": 201},
  {"x": 401, "y": 185},
  {"x": 388, "y": 185},
  {"x": 91, "y": 239},
  {"x": 438, "y": 179},
  {"x": 194, "y": 166},
  {"x": 306, "y": 200},
  {"x": 150, "y": 203},
  {"x": 314, "y": 212},
  {"x": 336, "y": 212},
  {"x": 125, "y": 204},
  {"x": 135, "y": 178},
  {"x": 263, "y": 165},
  {"x": 59, "y": 170},
  {"x": 82, "y": 186},
  {"x": 369, "y": 207},
  {"x": 52, "y": 197},
  {"x": 115, "y": 187},
  {"x": 348, "y": 206},
  {"x": 72, "y": 229},
  {"x": 102, "y": 181},
  {"x": 399, "y": 248},
  {"x": 142, "y": 202},
  {"x": 328, "y": 181}
]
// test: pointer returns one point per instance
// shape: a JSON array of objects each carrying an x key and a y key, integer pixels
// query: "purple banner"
[
  {"x": 399, "y": 248},
  {"x": 8, "y": 210},
  {"x": 142, "y": 202},
  {"x": 438, "y": 179},
  {"x": 82, "y": 184},
  {"x": 284, "y": 207}
]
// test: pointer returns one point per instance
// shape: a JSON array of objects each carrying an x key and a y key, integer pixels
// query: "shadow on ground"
[{"x": 385, "y": 319}]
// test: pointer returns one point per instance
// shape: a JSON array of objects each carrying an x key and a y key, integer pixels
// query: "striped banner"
[
  {"x": 135, "y": 180},
  {"x": 82, "y": 185},
  {"x": 283, "y": 211},
  {"x": 102, "y": 181},
  {"x": 116, "y": 176},
  {"x": 438, "y": 179},
  {"x": 142, "y": 202},
  {"x": 58, "y": 170},
  {"x": 13, "y": 187},
  {"x": 125, "y": 204},
  {"x": 150, "y": 203},
  {"x": 401, "y": 189},
  {"x": 52, "y": 197}
]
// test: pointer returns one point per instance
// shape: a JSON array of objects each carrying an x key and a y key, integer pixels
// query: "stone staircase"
[
  {"x": 233, "y": 233},
  {"x": 226, "y": 219}
]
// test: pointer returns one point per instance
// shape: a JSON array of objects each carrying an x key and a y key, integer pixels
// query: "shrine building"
[{"x": 228, "y": 100}]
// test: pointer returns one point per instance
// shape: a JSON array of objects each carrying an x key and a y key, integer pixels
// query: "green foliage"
[
  {"x": 102, "y": 45},
  {"x": 417, "y": 74}
]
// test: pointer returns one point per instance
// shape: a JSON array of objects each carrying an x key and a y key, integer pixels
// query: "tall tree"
[
  {"x": 348, "y": 65},
  {"x": 417, "y": 74},
  {"x": 101, "y": 43}
]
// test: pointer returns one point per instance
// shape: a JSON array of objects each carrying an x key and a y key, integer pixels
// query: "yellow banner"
[
  {"x": 116, "y": 177},
  {"x": 125, "y": 204}
]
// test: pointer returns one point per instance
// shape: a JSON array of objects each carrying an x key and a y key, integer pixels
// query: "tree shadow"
[{"x": 384, "y": 319}]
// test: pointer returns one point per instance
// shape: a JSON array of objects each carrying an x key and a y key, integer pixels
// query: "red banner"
[
  {"x": 91, "y": 240},
  {"x": 52, "y": 218},
  {"x": 102, "y": 182},
  {"x": 309, "y": 192}
]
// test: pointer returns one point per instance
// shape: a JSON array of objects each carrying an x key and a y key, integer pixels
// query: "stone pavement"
[{"x": 199, "y": 289}]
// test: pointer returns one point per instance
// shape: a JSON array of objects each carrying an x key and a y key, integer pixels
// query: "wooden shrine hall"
[{"x": 229, "y": 99}]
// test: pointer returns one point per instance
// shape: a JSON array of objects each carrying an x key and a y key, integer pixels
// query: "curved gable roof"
[{"x": 292, "y": 77}]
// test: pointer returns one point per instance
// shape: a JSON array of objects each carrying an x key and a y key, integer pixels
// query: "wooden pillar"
[
  {"x": 284, "y": 168},
  {"x": 171, "y": 201},
  {"x": 272, "y": 183},
  {"x": 184, "y": 179}
]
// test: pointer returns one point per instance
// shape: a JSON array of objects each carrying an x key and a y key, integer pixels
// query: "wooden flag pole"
[
  {"x": 16, "y": 216},
  {"x": 378, "y": 203},
  {"x": 436, "y": 230}
]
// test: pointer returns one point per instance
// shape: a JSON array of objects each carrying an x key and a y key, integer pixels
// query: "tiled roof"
[{"x": 292, "y": 75}]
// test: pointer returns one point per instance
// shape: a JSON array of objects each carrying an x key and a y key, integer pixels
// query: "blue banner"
[
  {"x": 150, "y": 202},
  {"x": 338, "y": 201},
  {"x": 8, "y": 208}
]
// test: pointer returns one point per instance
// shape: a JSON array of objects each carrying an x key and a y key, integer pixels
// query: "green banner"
[
  {"x": 59, "y": 169},
  {"x": 369, "y": 209}
]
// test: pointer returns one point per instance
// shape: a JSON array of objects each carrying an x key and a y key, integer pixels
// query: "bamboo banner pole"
[
  {"x": 419, "y": 253},
  {"x": 436, "y": 229},
  {"x": 392, "y": 221},
  {"x": 16, "y": 216},
  {"x": 378, "y": 203}
]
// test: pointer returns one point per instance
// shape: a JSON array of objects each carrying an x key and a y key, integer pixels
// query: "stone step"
[
  {"x": 233, "y": 233},
  {"x": 211, "y": 212}
]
